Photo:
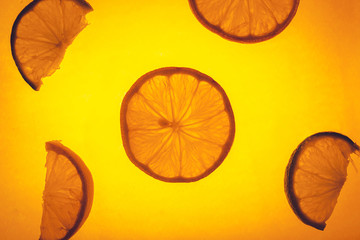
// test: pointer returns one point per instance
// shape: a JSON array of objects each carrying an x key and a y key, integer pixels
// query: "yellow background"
[{"x": 303, "y": 81}]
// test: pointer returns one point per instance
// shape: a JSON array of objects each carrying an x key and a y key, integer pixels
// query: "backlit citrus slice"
[
  {"x": 68, "y": 193},
  {"x": 177, "y": 124},
  {"x": 42, "y": 32},
  {"x": 246, "y": 21},
  {"x": 315, "y": 175}
]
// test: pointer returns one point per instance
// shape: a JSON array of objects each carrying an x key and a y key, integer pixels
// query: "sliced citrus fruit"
[
  {"x": 315, "y": 175},
  {"x": 177, "y": 124},
  {"x": 42, "y": 32},
  {"x": 245, "y": 21},
  {"x": 68, "y": 193}
]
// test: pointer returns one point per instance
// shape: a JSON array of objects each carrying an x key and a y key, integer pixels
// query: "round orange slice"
[
  {"x": 177, "y": 124},
  {"x": 246, "y": 21},
  {"x": 68, "y": 193},
  {"x": 42, "y": 32},
  {"x": 316, "y": 172}
]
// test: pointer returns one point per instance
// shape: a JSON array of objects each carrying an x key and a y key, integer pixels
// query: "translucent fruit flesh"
[
  {"x": 245, "y": 21},
  {"x": 177, "y": 124},
  {"x": 315, "y": 175},
  {"x": 42, "y": 32},
  {"x": 68, "y": 193}
]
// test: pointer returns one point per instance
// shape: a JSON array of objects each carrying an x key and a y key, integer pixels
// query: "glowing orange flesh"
[
  {"x": 41, "y": 34},
  {"x": 67, "y": 195},
  {"x": 245, "y": 20},
  {"x": 177, "y": 124},
  {"x": 316, "y": 174}
]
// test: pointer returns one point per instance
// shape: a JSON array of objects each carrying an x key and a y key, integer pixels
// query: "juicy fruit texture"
[
  {"x": 42, "y": 32},
  {"x": 177, "y": 124},
  {"x": 315, "y": 175},
  {"x": 246, "y": 21},
  {"x": 68, "y": 193}
]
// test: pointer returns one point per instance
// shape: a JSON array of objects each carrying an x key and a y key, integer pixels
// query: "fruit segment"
[
  {"x": 68, "y": 193},
  {"x": 245, "y": 21},
  {"x": 42, "y": 32},
  {"x": 177, "y": 124},
  {"x": 316, "y": 174}
]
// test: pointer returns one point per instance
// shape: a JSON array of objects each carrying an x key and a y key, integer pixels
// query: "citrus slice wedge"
[
  {"x": 246, "y": 21},
  {"x": 315, "y": 175},
  {"x": 177, "y": 124},
  {"x": 68, "y": 193},
  {"x": 42, "y": 32}
]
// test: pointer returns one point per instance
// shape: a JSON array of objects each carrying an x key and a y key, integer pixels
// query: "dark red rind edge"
[
  {"x": 84, "y": 4},
  {"x": 28, "y": 8},
  {"x": 248, "y": 39},
  {"x": 87, "y": 184},
  {"x": 289, "y": 173},
  {"x": 167, "y": 71}
]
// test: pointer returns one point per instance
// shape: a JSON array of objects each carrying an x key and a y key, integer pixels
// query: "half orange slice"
[
  {"x": 42, "y": 32},
  {"x": 245, "y": 21},
  {"x": 177, "y": 124},
  {"x": 316, "y": 172},
  {"x": 68, "y": 193}
]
